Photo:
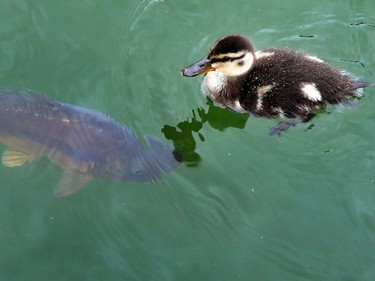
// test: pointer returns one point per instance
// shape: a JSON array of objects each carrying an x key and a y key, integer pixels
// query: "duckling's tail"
[{"x": 360, "y": 84}]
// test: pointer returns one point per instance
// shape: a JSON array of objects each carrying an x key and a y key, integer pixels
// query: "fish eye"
[{"x": 138, "y": 172}]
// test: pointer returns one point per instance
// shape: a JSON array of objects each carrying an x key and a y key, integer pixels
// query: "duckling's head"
[{"x": 232, "y": 55}]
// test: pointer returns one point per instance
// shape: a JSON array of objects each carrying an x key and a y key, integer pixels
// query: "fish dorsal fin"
[
  {"x": 12, "y": 158},
  {"x": 71, "y": 181}
]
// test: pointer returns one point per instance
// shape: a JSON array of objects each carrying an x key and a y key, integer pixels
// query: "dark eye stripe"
[{"x": 225, "y": 59}]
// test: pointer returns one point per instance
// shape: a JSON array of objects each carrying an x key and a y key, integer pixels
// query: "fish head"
[
  {"x": 159, "y": 159},
  {"x": 138, "y": 163}
]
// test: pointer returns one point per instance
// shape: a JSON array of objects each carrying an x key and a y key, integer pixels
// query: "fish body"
[{"x": 84, "y": 142}]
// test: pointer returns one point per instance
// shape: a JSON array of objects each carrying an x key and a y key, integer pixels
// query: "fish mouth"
[{"x": 200, "y": 67}]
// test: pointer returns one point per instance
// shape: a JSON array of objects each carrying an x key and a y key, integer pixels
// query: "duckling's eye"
[{"x": 226, "y": 58}]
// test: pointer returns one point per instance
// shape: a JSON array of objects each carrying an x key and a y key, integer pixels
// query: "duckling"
[{"x": 271, "y": 83}]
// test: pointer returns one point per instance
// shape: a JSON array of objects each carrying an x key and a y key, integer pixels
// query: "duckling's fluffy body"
[
  {"x": 280, "y": 83},
  {"x": 271, "y": 83}
]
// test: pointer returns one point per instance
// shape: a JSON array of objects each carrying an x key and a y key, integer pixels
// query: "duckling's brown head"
[{"x": 232, "y": 55}]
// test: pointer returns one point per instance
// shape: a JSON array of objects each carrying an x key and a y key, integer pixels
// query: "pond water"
[{"x": 243, "y": 205}]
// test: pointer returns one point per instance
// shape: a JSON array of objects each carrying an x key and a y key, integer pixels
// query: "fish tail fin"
[{"x": 12, "y": 158}]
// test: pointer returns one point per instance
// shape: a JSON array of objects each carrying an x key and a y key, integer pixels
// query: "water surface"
[{"x": 244, "y": 206}]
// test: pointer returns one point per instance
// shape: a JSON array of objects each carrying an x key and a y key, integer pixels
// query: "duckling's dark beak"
[{"x": 200, "y": 67}]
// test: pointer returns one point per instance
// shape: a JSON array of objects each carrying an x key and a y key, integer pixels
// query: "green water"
[{"x": 244, "y": 206}]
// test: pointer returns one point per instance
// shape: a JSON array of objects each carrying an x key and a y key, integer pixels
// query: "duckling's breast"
[
  {"x": 213, "y": 84},
  {"x": 224, "y": 91}
]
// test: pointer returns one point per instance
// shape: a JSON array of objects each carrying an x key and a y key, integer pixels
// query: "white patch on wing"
[
  {"x": 310, "y": 91},
  {"x": 260, "y": 54},
  {"x": 261, "y": 90},
  {"x": 314, "y": 58}
]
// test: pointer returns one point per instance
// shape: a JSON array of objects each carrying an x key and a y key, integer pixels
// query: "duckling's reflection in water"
[{"x": 217, "y": 117}]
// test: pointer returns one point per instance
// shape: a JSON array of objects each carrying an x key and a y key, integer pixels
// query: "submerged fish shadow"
[{"x": 85, "y": 143}]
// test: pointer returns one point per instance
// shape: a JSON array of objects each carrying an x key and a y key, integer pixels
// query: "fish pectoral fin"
[
  {"x": 71, "y": 181},
  {"x": 12, "y": 158}
]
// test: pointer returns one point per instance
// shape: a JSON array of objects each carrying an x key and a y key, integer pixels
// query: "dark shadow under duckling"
[{"x": 271, "y": 83}]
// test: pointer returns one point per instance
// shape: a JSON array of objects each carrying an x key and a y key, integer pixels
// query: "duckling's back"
[{"x": 288, "y": 83}]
